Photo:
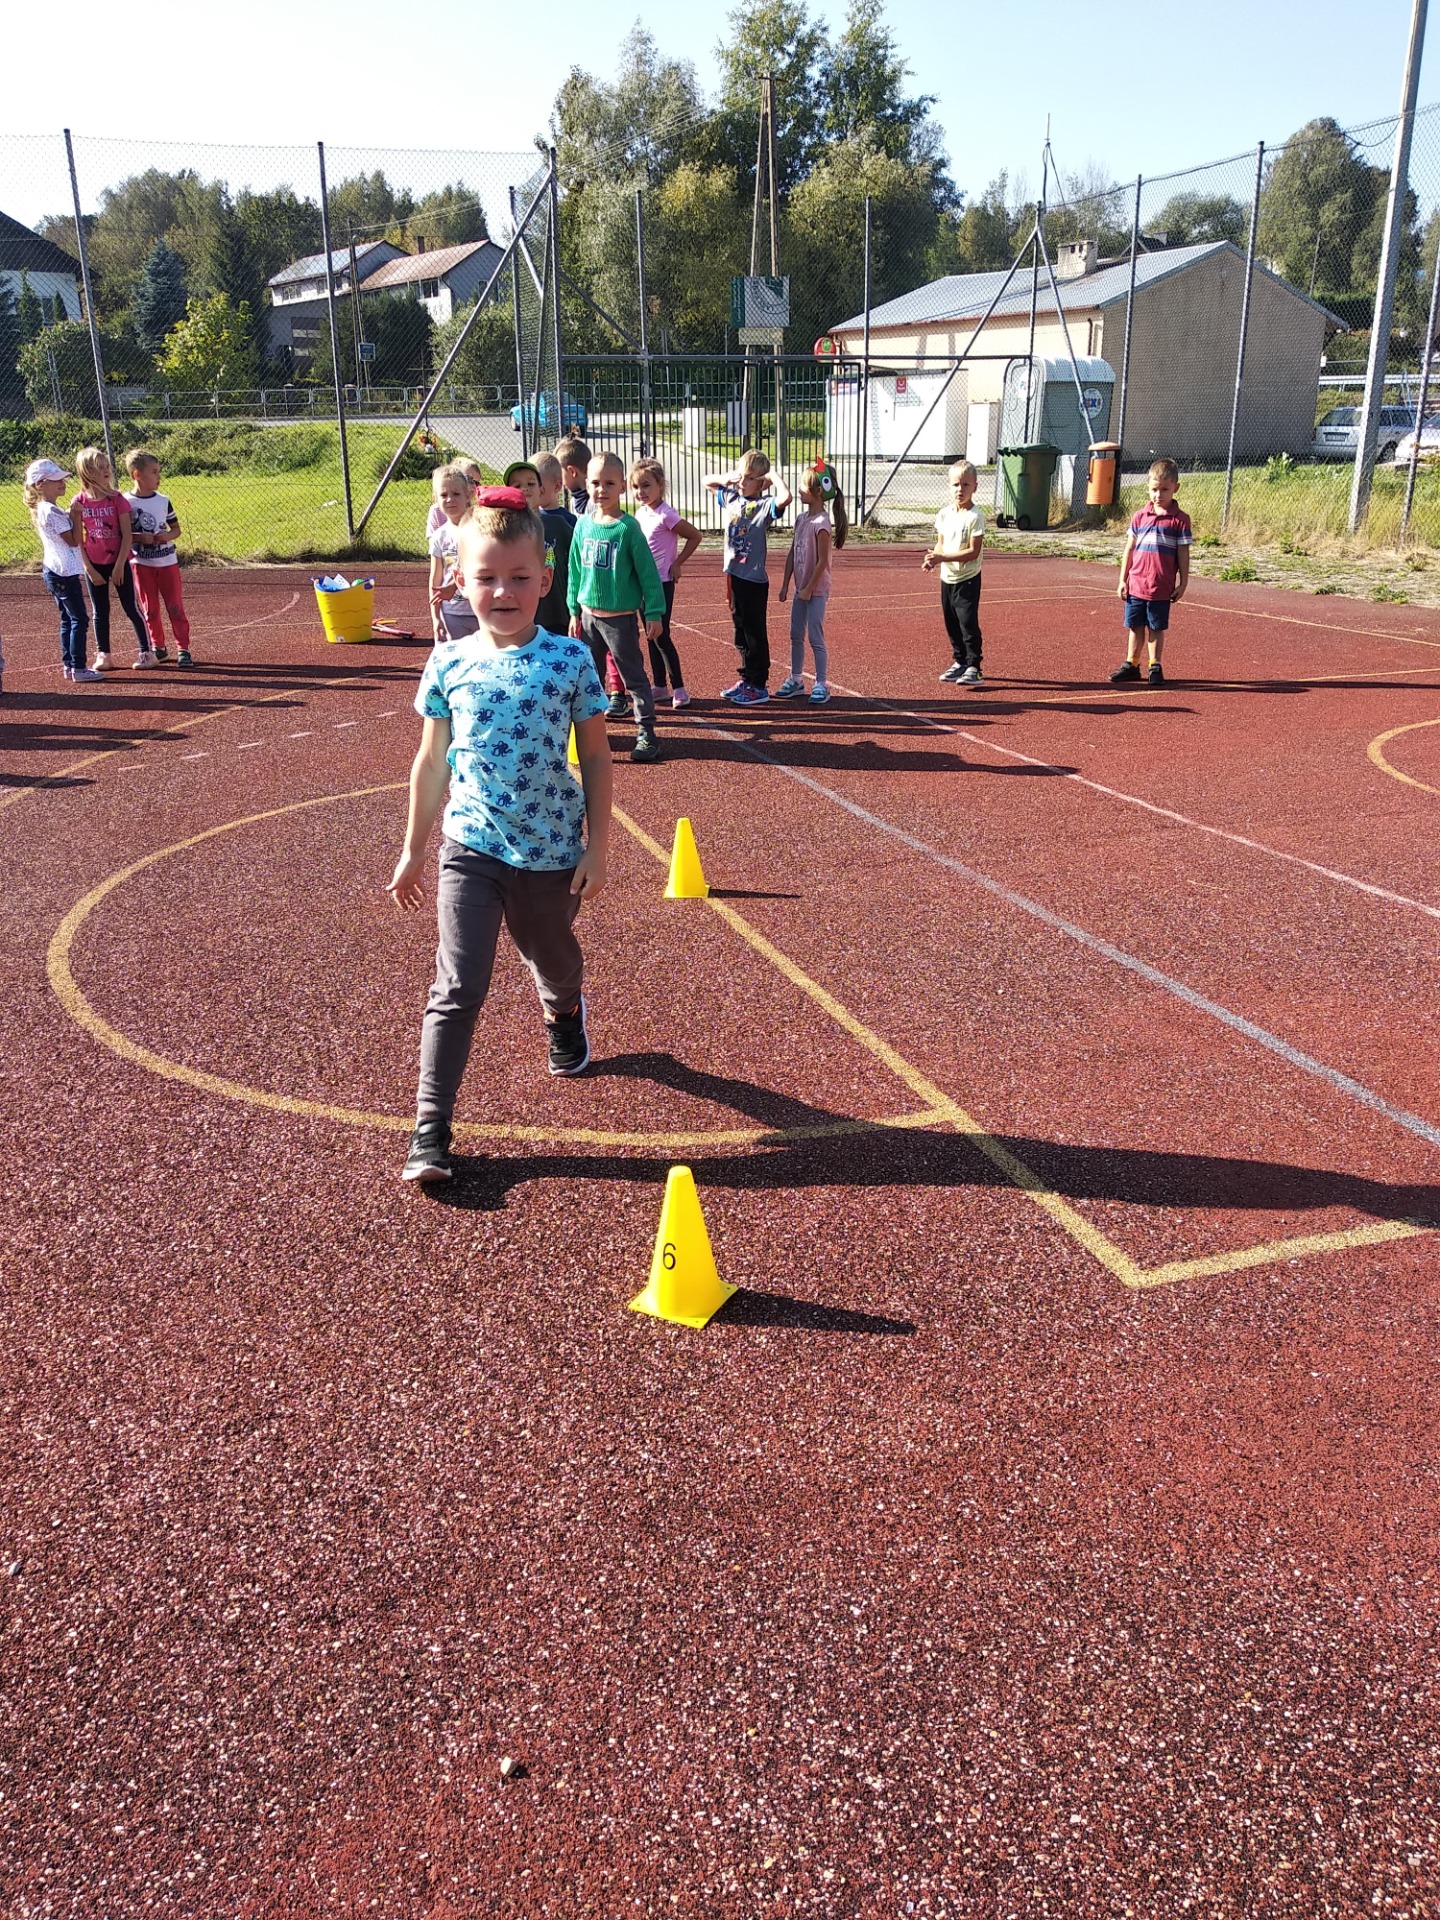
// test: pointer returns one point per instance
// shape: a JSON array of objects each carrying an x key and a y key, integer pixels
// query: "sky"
[{"x": 286, "y": 72}]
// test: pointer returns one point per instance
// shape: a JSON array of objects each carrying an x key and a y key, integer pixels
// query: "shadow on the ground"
[{"x": 912, "y": 1157}]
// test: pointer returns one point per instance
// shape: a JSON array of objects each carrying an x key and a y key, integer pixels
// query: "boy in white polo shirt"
[{"x": 959, "y": 537}]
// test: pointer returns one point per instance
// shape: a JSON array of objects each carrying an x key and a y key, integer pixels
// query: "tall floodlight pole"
[{"x": 1389, "y": 258}]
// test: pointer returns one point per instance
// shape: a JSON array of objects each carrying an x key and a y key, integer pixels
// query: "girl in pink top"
[
  {"x": 105, "y": 543},
  {"x": 820, "y": 529},
  {"x": 663, "y": 530}
]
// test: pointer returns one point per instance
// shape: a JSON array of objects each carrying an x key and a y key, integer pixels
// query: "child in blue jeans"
[{"x": 64, "y": 563}]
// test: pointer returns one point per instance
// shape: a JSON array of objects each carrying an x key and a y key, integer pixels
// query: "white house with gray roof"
[{"x": 1184, "y": 335}]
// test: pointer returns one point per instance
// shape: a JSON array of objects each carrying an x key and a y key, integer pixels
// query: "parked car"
[
  {"x": 1429, "y": 437},
  {"x": 569, "y": 417},
  {"x": 1337, "y": 436}
]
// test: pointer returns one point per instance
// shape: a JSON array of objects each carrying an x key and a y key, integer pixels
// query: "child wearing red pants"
[{"x": 153, "y": 526}]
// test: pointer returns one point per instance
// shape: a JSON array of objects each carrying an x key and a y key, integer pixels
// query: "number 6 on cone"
[{"x": 684, "y": 1284}]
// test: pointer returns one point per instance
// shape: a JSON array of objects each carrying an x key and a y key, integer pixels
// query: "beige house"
[{"x": 1185, "y": 331}]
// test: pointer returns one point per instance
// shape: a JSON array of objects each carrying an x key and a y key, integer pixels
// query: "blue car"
[{"x": 572, "y": 415}]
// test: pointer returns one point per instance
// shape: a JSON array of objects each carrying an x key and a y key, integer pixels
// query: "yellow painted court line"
[
  {"x": 1272, "y": 1251},
  {"x": 72, "y": 997},
  {"x": 1375, "y": 752},
  {"x": 937, "y": 1109},
  {"x": 1016, "y": 1172}
]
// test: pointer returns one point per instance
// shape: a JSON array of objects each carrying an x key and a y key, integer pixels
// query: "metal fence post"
[
  {"x": 1244, "y": 330},
  {"x": 865, "y": 381},
  {"x": 555, "y": 268},
  {"x": 335, "y": 344},
  {"x": 1129, "y": 326},
  {"x": 519, "y": 343},
  {"x": 93, "y": 323},
  {"x": 646, "y": 402},
  {"x": 1385, "y": 290},
  {"x": 1426, "y": 348}
]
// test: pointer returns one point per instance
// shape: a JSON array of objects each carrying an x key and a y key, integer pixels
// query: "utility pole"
[
  {"x": 761, "y": 152},
  {"x": 1385, "y": 291},
  {"x": 362, "y": 371},
  {"x": 769, "y": 86}
]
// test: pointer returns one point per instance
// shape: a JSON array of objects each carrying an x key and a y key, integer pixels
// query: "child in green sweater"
[{"x": 614, "y": 583}]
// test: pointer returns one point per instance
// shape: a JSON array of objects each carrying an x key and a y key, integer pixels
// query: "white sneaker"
[
  {"x": 69, "y": 672},
  {"x": 680, "y": 698},
  {"x": 86, "y": 673},
  {"x": 971, "y": 677},
  {"x": 146, "y": 660},
  {"x": 102, "y": 663},
  {"x": 790, "y": 688}
]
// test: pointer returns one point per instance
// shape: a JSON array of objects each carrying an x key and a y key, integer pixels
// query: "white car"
[
  {"x": 1429, "y": 437},
  {"x": 1337, "y": 435}
]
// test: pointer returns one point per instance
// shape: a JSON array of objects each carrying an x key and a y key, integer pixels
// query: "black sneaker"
[
  {"x": 182, "y": 659},
  {"x": 161, "y": 653},
  {"x": 429, "y": 1156},
  {"x": 1156, "y": 675},
  {"x": 646, "y": 747},
  {"x": 1129, "y": 671},
  {"x": 953, "y": 672},
  {"x": 619, "y": 707},
  {"x": 569, "y": 1042}
]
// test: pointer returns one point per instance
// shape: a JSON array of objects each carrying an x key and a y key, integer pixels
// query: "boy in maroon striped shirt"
[{"x": 1154, "y": 572}]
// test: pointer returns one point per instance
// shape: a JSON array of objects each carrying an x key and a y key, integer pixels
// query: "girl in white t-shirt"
[
  {"x": 663, "y": 530},
  {"x": 64, "y": 566},
  {"x": 450, "y": 615},
  {"x": 820, "y": 530}
]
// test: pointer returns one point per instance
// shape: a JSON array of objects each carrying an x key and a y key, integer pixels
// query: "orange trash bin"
[{"x": 1102, "y": 488}]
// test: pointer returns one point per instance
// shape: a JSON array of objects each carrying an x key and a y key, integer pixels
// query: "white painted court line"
[
  {"x": 248, "y": 746},
  {"x": 306, "y": 733},
  {"x": 1117, "y": 793},
  {"x": 389, "y": 714},
  {"x": 340, "y": 724},
  {"x": 194, "y": 756},
  {"x": 1317, "y": 1069}
]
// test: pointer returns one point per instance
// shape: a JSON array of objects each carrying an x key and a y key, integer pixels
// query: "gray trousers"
[
  {"x": 618, "y": 634},
  {"x": 808, "y": 616},
  {"x": 475, "y": 893}
]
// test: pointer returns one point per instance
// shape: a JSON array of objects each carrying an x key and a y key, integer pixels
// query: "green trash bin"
[{"x": 1027, "y": 475}]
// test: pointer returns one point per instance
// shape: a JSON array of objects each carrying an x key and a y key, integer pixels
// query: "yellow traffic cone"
[
  {"x": 572, "y": 753},
  {"x": 687, "y": 876},
  {"x": 684, "y": 1284}
]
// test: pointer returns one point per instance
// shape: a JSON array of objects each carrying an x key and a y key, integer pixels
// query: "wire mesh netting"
[{"x": 1220, "y": 315}]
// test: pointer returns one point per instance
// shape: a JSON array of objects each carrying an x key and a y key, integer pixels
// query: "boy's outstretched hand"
[{"x": 405, "y": 889}]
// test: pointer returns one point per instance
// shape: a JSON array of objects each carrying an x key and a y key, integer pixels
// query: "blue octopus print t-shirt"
[
  {"x": 746, "y": 522},
  {"x": 510, "y": 710}
]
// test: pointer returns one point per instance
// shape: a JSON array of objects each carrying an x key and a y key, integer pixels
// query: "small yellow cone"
[
  {"x": 573, "y": 752},
  {"x": 684, "y": 1284},
  {"x": 687, "y": 876}
]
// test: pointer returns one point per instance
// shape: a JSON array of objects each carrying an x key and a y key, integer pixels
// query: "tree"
[
  {"x": 487, "y": 358},
  {"x": 775, "y": 37},
  {"x": 699, "y": 232},
  {"x": 1318, "y": 200},
  {"x": 210, "y": 349},
  {"x": 451, "y": 217},
  {"x": 826, "y": 233},
  {"x": 864, "y": 93},
  {"x": 178, "y": 208},
  {"x": 160, "y": 296},
  {"x": 58, "y": 366},
  {"x": 366, "y": 206},
  {"x": 983, "y": 236},
  {"x": 29, "y": 315},
  {"x": 1186, "y": 219},
  {"x": 279, "y": 227}
]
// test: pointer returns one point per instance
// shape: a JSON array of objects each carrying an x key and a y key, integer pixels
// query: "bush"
[
  {"x": 1239, "y": 570},
  {"x": 59, "y": 435},
  {"x": 418, "y": 461}
]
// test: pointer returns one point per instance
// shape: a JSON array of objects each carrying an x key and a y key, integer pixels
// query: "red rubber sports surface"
[{"x": 1049, "y": 1524}]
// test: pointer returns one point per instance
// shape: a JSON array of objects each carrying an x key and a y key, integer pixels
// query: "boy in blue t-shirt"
[
  {"x": 521, "y": 841},
  {"x": 750, "y": 498}
]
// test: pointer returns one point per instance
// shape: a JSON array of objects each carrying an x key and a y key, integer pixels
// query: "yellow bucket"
[{"x": 348, "y": 614}]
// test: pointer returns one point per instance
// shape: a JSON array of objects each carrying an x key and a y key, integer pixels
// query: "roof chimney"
[
  {"x": 419, "y": 243},
  {"x": 1075, "y": 258}
]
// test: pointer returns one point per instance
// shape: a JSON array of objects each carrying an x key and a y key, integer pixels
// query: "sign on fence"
[{"x": 759, "y": 300}]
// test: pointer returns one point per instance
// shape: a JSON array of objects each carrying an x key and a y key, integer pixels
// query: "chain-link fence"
[{"x": 480, "y": 303}]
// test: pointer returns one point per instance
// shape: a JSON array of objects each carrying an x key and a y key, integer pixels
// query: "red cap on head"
[{"x": 510, "y": 497}]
